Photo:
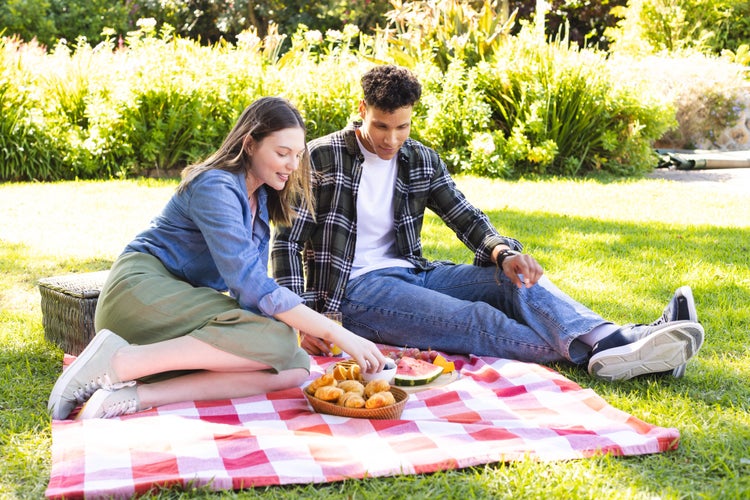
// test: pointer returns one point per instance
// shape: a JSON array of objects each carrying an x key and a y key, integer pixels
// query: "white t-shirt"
[{"x": 376, "y": 236}]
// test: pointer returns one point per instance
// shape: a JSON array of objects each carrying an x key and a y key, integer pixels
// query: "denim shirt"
[{"x": 206, "y": 236}]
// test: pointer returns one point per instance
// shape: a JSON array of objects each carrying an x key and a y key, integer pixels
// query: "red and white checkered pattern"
[{"x": 498, "y": 410}]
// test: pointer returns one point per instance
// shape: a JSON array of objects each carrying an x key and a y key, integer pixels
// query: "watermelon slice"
[{"x": 410, "y": 371}]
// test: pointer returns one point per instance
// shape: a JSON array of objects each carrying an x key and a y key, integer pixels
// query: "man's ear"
[{"x": 362, "y": 109}]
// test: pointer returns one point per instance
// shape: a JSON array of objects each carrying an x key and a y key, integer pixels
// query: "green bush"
[
  {"x": 169, "y": 102},
  {"x": 445, "y": 31},
  {"x": 158, "y": 102},
  {"x": 561, "y": 111},
  {"x": 27, "y": 151},
  {"x": 652, "y": 26},
  {"x": 452, "y": 110}
]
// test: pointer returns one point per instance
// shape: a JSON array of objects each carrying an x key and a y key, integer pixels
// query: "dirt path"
[{"x": 734, "y": 179}]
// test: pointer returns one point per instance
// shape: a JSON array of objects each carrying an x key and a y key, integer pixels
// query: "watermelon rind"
[{"x": 406, "y": 380}]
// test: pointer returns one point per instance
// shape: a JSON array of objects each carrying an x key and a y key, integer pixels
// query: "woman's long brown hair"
[{"x": 261, "y": 118}]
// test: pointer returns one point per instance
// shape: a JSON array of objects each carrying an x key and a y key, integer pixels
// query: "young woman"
[{"x": 180, "y": 337}]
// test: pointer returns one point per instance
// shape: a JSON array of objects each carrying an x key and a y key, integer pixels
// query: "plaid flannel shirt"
[{"x": 327, "y": 241}]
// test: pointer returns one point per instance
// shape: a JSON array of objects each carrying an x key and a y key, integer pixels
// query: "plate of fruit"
[{"x": 418, "y": 370}]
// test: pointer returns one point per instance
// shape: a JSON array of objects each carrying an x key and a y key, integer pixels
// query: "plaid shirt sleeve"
[
  {"x": 314, "y": 257},
  {"x": 286, "y": 254},
  {"x": 430, "y": 185}
]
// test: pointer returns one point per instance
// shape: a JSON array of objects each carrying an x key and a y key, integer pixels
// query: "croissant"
[
  {"x": 380, "y": 399},
  {"x": 328, "y": 393},
  {"x": 377, "y": 385},
  {"x": 352, "y": 386},
  {"x": 321, "y": 381},
  {"x": 352, "y": 400}
]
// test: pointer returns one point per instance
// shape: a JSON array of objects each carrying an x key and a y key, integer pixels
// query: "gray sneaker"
[
  {"x": 90, "y": 371},
  {"x": 680, "y": 308},
  {"x": 108, "y": 404},
  {"x": 640, "y": 349}
]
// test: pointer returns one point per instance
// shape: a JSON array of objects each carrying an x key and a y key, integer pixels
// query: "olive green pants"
[{"x": 144, "y": 303}]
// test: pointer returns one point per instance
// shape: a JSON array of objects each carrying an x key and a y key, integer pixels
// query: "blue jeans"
[{"x": 466, "y": 309}]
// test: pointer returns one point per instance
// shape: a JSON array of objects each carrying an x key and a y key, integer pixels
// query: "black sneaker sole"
[{"x": 666, "y": 348}]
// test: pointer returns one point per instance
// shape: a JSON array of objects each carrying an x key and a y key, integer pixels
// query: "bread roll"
[
  {"x": 380, "y": 399},
  {"x": 351, "y": 400},
  {"x": 321, "y": 381},
  {"x": 352, "y": 386},
  {"x": 375, "y": 386},
  {"x": 328, "y": 393}
]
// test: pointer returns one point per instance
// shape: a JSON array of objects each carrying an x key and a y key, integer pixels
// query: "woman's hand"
[
  {"x": 365, "y": 352},
  {"x": 320, "y": 333}
]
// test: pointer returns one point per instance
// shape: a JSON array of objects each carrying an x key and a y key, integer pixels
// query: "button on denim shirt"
[{"x": 205, "y": 236}]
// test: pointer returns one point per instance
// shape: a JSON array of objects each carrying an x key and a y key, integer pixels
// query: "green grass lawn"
[{"x": 620, "y": 247}]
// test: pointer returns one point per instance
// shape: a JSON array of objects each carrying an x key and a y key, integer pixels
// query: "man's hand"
[
  {"x": 522, "y": 269},
  {"x": 315, "y": 346}
]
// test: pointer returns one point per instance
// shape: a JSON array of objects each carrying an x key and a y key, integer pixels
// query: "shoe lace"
[
  {"x": 664, "y": 319},
  {"x": 102, "y": 382},
  {"x": 120, "y": 407}
]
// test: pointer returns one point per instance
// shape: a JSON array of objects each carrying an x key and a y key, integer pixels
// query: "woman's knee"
[{"x": 294, "y": 377}]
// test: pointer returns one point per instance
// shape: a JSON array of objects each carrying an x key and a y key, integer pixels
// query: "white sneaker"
[
  {"x": 680, "y": 308},
  {"x": 108, "y": 404},
  {"x": 90, "y": 371},
  {"x": 639, "y": 349}
]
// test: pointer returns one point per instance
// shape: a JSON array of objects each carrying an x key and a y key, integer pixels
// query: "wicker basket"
[
  {"x": 391, "y": 412},
  {"x": 68, "y": 305}
]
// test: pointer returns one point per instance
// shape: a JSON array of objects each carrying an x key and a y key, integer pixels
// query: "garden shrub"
[
  {"x": 167, "y": 102},
  {"x": 451, "y": 111},
  {"x": 321, "y": 75},
  {"x": 562, "y": 112},
  {"x": 443, "y": 31},
  {"x": 653, "y": 26},
  {"x": 154, "y": 101},
  {"x": 27, "y": 151}
]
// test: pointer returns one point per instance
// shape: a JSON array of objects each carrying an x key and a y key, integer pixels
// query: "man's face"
[{"x": 382, "y": 132}]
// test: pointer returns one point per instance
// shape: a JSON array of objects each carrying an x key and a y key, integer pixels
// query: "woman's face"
[{"x": 275, "y": 157}]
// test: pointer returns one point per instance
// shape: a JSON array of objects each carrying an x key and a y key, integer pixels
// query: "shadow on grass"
[
  {"x": 637, "y": 265},
  {"x": 627, "y": 271}
]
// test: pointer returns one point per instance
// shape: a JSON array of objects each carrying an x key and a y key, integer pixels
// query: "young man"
[{"x": 363, "y": 256}]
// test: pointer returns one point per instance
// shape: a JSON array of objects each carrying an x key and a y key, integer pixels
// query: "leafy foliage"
[
  {"x": 561, "y": 112},
  {"x": 444, "y": 31},
  {"x": 496, "y": 104},
  {"x": 649, "y": 26},
  {"x": 26, "y": 149}
]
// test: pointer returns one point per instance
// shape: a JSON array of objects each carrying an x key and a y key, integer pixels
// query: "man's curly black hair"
[{"x": 389, "y": 88}]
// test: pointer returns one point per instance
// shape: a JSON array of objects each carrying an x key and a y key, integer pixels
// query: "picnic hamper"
[{"x": 68, "y": 306}]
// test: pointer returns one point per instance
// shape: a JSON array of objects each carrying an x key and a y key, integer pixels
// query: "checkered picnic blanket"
[{"x": 497, "y": 410}]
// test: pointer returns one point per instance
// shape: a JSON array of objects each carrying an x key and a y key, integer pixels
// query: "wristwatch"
[{"x": 504, "y": 254}]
